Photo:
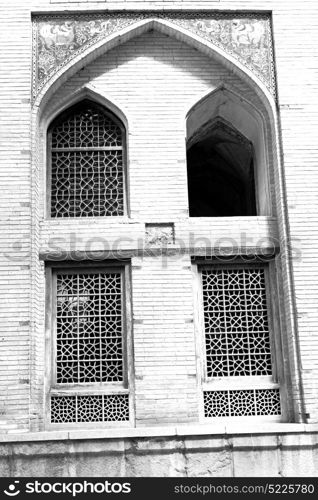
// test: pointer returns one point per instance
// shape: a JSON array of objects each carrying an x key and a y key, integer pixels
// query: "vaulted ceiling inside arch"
[{"x": 155, "y": 66}]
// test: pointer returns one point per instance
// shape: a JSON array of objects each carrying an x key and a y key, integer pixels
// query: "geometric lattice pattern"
[
  {"x": 236, "y": 322},
  {"x": 87, "y": 177},
  {"x": 89, "y": 408},
  {"x": 89, "y": 338},
  {"x": 239, "y": 403}
]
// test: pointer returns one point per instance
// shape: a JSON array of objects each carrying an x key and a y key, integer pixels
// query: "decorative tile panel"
[{"x": 58, "y": 39}]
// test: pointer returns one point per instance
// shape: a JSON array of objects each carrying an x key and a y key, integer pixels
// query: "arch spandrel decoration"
[{"x": 58, "y": 39}]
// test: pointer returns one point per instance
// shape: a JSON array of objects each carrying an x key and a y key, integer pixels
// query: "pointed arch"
[
  {"x": 88, "y": 91},
  {"x": 86, "y": 145},
  {"x": 224, "y": 106},
  {"x": 163, "y": 26},
  {"x": 220, "y": 171}
]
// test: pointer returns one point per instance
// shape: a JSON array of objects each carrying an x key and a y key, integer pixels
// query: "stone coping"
[
  {"x": 209, "y": 431},
  {"x": 63, "y": 6}
]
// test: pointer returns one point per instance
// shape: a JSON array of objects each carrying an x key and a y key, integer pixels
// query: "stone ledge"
[{"x": 234, "y": 429}]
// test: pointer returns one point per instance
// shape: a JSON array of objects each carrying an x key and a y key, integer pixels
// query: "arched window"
[
  {"x": 220, "y": 172},
  {"x": 87, "y": 155}
]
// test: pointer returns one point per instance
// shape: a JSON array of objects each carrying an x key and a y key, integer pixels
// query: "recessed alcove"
[
  {"x": 227, "y": 158},
  {"x": 220, "y": 172}
]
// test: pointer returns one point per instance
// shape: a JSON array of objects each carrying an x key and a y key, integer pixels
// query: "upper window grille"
[
  {"x": 238, "y": 354},
  {"x": 87, "y": 163}
]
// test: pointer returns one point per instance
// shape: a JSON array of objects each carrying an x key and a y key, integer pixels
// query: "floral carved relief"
[
  {"x": 246, "y": 39},
  {"x": 59, "y": 39},
  {"x": 159, "y": 234}
]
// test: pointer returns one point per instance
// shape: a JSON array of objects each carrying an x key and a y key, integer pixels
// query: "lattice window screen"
[
  {"x": 89, "y": 408},
  {"x": 236, "y": 322},
  {"x": 237, "y": 341},
  {"x": 242, "y": 403},
  {"x": 87, "y": 174},
  {"x": 89, "y": 339}
]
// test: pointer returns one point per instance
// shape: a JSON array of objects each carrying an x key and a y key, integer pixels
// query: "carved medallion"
[{"x": 159, "y": 234}]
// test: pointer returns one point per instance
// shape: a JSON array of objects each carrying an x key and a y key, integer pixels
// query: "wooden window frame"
[
  {"x": 276, "y": 379},
  {"x": 49, "y": 148},
  {"x": 52, "y": 388}
]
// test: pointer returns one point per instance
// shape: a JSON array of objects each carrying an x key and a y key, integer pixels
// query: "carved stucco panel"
[
  {"x": 58, "y": 39},
  {"x": 159, "y": 234}
]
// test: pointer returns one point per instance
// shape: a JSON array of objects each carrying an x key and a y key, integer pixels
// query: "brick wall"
[
  {"x": 15, "y": 217},
  {"x": 296, "y": 63},
  {"x": 176, "y": 76}
]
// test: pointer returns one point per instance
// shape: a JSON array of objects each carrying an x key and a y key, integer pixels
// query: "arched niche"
[
  {"x": 227, "y": 158},
  {"x": 55, "y": 108}
]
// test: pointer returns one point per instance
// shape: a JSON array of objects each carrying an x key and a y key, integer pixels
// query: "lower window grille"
[
  {"x": 89, "y": 408},
  {"x": 242, "y": 403}
]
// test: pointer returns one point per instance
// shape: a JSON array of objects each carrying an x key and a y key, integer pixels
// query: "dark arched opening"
[{"x": 220, "y": 173}]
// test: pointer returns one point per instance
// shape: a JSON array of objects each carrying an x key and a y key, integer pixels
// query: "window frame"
[
  {"x": 273, "y": 381},
  {"x": 52, "y": 388},
  {"x": 59, "y": 118}
]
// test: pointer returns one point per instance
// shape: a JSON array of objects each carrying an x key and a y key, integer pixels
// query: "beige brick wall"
[
  {"x": 15, "y": 217},
  {"x": 172, "y": 76},
  {"x": 296, "y": 63}
]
